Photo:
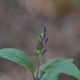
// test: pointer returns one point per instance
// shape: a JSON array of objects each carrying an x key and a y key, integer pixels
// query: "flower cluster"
[{"x": 42, "y": 41}]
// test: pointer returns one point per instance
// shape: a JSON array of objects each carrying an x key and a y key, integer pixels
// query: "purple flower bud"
[
  {"x": 44, "y": 52},
  {"x": 44, "y": 31},
  {"x": 41, "y": 44},
  {"x": 43, "y": 39},
  {"x": 46, "y": 40}
]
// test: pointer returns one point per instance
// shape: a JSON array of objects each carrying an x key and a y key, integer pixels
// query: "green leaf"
[
  {"x": 50, "y": 76},
  {"x": 17, "y": 56},
  {"x": 39, "y": 45},
  {"x": 55, "y": 67},
  {"x": 42, "y": 67}
]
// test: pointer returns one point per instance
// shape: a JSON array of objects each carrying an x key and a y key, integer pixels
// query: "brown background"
[{"x": 21, "y": 21}]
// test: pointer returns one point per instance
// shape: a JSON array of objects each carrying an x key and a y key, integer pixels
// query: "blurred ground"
[{"x": 21, "y": 21}]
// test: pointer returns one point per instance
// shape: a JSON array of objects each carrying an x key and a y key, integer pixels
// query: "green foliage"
[
  {"x": 39, "y": 45},
  {"x": 55, "y": 67},
  {"x": 49, "y": 70},
  {"x": 17, "y": 56}
]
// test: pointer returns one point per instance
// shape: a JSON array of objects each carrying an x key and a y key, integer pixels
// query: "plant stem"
[
  {"x": 38, "y": 70},
  {"x": 33, "y": 76},
  {"x": 39, "y": 63}
]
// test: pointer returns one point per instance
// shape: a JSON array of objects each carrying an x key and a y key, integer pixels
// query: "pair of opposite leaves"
[{"x": 52, "y": 68}]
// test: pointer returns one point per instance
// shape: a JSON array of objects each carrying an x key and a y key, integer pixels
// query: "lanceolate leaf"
[
  {"x": 53, "y": 68},
  {"x": 17, "y": 56}
]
